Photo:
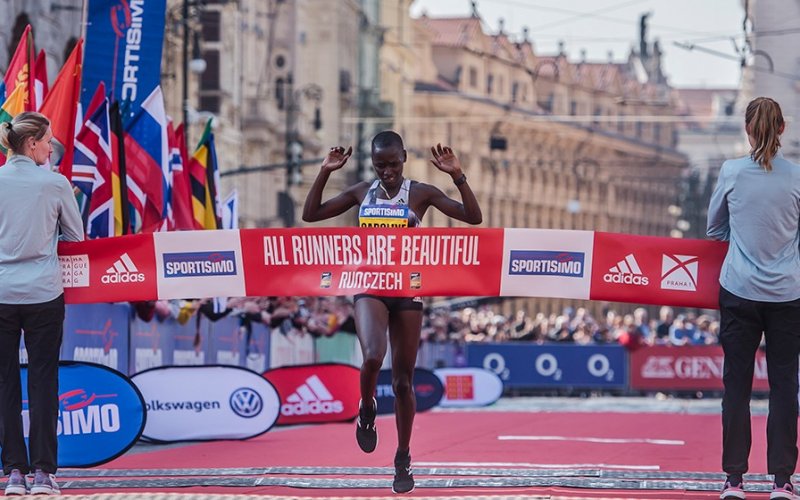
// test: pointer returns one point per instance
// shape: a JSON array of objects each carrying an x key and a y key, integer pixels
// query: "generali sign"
[{"x": 687, "y": 368}]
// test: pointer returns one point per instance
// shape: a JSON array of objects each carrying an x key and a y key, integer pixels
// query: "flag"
[
  {"x": 182, "y": 218},
  {"x": 40, "y": 87},
  {"x": 147, "y": 154},
  {"x": 61, "y": 106},
  {"x": 83, "y": 169},
  {"x": 14, "y": 105},
  {"x": 119, "y": 175},
  {"x": 201, "y": 171},
  {"x": 92, "y": 169},
  {"x": 230, "y": 211},
  {"x": 21, "y": 69}
]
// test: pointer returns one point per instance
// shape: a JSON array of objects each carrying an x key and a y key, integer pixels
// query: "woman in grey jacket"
[
  {"x": 36, "y": 208},
  {"x": 756, "y": 208}
]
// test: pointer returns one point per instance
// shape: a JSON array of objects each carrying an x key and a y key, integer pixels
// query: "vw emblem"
[{"x": 246, "y": 402}]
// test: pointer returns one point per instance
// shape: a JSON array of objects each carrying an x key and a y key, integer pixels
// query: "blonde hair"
[
  {"x": 13, "y": 134},
  {"x": 764, "y": 121}
]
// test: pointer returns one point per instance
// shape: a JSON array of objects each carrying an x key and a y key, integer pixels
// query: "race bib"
[{"x": 383, "y": 216}]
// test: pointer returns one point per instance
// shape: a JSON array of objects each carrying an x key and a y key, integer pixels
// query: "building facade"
[{"x": 545, "y": 142}]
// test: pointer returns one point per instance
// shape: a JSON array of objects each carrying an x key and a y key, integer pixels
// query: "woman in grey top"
[
  {"x": 36, "y": 207},
  {"x": 756, "y": 208}
]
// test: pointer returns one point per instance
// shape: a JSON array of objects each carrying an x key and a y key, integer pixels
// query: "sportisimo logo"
[
  {"x": 189, "y": 264},
  {"x": 627, "y": 272},
  {"x": 246, "y": 402},
  {"x": 82, "y": 413},
  {"x": 546, "y": 263},
  {"x": 312, "y": 397},
  {"x": 123, "y": 271}
]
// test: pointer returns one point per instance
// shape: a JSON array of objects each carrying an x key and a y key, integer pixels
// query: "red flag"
[
  {"x": 21, "y": 69},
  {"x": 61, "y": 106},
  {"x": 181, "y": 192},
  {"x": 40, "y": 85}
]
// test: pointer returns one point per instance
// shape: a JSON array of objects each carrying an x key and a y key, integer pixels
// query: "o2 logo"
[
  {"x": 547, "y": 366},
  {"x": 599, "y": 366},
  {"x": 246, "y": 402},
  {"x": 496, "y": 363}
]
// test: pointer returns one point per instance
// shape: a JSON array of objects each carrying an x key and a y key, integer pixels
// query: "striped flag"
[
  {"x": 14, "y": 105},
  {"x": 230, "y": 211},
  {"x": 93, "y": 158},
  {"x": 202, "y": 168},
  {"x": 147, "y": 152},
  {"x": 119, "y": 175}
]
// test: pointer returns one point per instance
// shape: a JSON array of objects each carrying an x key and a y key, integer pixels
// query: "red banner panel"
[
  {"x": 316, "y": 393},
  {"x": 109, "y": 269},
  {"x": 347, "y": 261},
  {"x": 651, "y": 270},
  {"x": 678, "y": 368}
]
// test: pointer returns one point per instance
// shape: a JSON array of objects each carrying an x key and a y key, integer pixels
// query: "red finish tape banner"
[{"x": 394, "y": 262}]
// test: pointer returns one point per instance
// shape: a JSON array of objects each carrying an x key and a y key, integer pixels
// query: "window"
[
  {"x": 489, "y": 84},
  {"x": 211, "y": 22},
  {"x": 210, "y": 82},
  {"x": 473, "y": 78}
]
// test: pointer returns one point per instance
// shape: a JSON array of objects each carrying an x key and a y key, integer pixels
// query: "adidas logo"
[
  {"x": 627, "y": 272},
  {"x": 311, "y": 398},
  {"x": 123, "y": 271}
]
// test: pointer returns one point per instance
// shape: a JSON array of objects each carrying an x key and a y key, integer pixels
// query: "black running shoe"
[
  {"x": 366, "y": 433},
  {"x": 403, "y": 477}
]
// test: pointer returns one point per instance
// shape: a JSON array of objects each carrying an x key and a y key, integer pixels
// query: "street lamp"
[
  {"x": 293, "y": 143},
  {"x": 196, "y": 65}
]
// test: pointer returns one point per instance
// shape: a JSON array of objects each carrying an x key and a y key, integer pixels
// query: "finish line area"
[{"x": 536, "y": 448}]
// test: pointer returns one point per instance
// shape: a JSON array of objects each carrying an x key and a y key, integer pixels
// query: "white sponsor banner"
[
  {"x": 209, "y": 262},
  {"x": 230, "y": 403},
  {"x": 547, "y": 263},
  {"x": 469, "y": 387}
]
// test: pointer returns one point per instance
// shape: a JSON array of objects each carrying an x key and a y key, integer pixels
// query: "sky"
[{"x": 603, "y": 26}]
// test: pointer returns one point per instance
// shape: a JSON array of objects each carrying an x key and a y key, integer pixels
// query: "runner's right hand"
[{"x": 336, "y": 159}]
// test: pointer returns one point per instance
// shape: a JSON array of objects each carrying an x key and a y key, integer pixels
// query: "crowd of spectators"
[{"x": 325, "y": 316}]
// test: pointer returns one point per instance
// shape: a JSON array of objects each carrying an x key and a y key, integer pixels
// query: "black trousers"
[
  {"x": 44, "y": 329},
  {"x": 741, "y": 325}
]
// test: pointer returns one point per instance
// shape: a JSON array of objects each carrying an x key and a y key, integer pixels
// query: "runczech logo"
[{"x": 246, "y": 402}]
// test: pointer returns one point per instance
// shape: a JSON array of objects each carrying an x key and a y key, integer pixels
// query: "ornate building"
[{"x": 545, "y": 142}]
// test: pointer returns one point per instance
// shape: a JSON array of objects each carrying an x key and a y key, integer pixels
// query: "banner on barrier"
[
  {"x": 100, "y": 413},
  {"x": 428, "y": 390},
  {"x": 696, "y": 368},
  {"x": 552, "y": 365},
  {"x": 97, "y": 334},
  {"x": 465, "y": 387},
  {"x": 231, "y": 403},
  {"x": 391, "y": 262},
  {"x": 316, "y": 393}
]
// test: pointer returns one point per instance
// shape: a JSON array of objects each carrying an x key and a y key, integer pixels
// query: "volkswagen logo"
[{"x": 246, "y": 402}]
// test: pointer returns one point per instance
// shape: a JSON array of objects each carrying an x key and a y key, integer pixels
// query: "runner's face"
[{"x": 388, "y": 164}]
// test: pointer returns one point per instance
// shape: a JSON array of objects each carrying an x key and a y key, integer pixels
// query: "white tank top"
[{"x": 379, "y": 212}]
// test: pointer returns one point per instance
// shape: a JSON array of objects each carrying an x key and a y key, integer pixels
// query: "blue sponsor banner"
[
  {"x": 97, "y": 333},
  {"x": 552, "y": 365},
  {"x": 124, "y": 39},
  {"x": 428, "y": 390},
  {"x": 546, "y": 263},
  {"x": 189, "y": 264},
  {"x": 100, "y": 413}
]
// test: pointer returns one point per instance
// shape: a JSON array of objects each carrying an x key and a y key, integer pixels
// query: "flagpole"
[{"x": 185, "y": 13}]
